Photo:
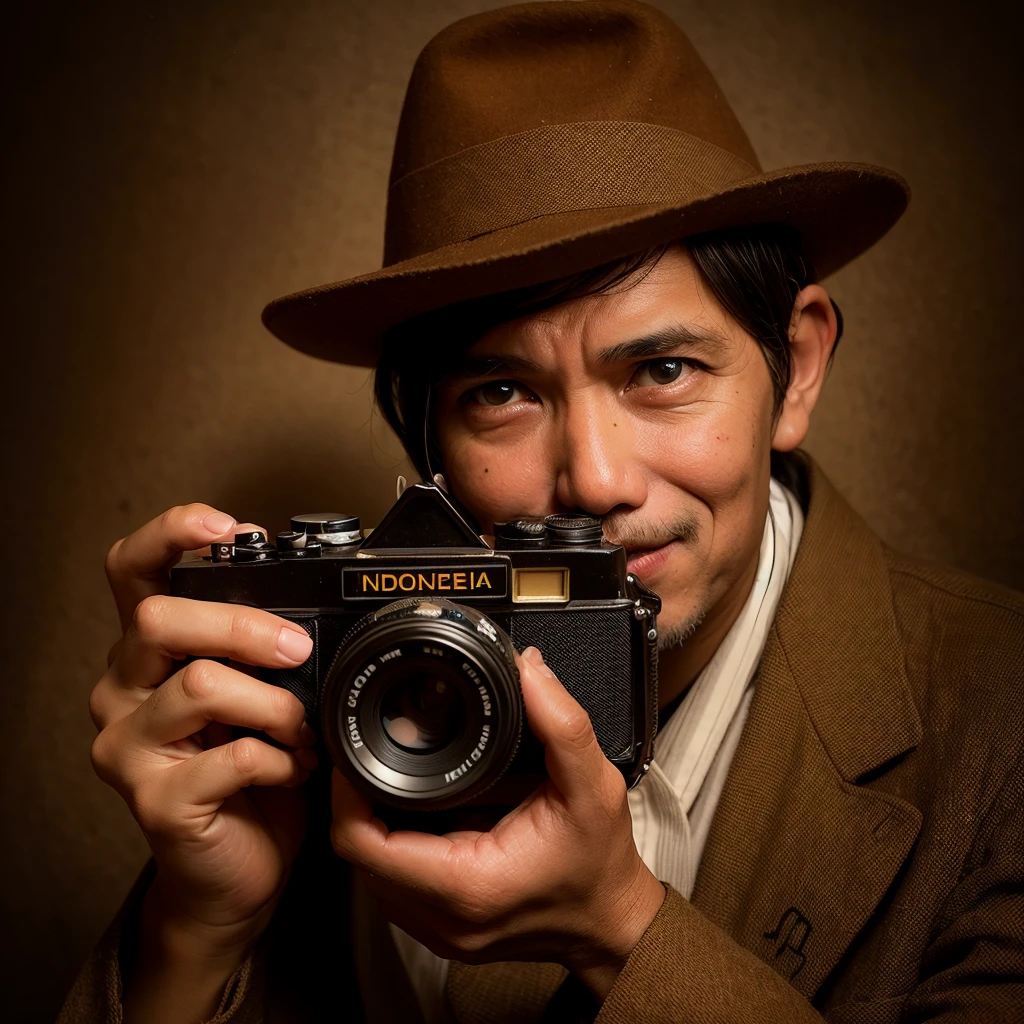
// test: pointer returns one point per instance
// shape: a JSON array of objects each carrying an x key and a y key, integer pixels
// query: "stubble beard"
[
  {"x": 676, "y": 636},
  {"x": 636, "y": 536}
]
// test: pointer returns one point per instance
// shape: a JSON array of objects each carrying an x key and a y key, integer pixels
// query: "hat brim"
[{"x": 839, "y": 209}]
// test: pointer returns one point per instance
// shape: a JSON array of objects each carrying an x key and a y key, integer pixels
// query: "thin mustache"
[{"x": 635, "y": 536}]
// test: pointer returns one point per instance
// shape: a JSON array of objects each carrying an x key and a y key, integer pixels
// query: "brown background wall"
[{"x": 172, "y": 166}]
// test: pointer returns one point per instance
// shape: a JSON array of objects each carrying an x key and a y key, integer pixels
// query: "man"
[{"x": 594, "y": 299}]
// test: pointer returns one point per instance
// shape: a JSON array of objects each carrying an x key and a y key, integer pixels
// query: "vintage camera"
[{"x": 412, "y": 677}]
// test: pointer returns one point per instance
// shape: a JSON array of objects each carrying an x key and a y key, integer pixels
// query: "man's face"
[{"x": 649, "y": 407}]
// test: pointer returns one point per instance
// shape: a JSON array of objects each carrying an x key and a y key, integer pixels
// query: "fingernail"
[
  {"x": 307, "y": 758},
  {"x": 293, "y": 644},
  {"x": 218, "y": 523},
  {"x": 306, "y": 735}
]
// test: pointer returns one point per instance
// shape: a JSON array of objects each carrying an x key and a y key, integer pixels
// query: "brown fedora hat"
[{"x": 544, "y": 139}]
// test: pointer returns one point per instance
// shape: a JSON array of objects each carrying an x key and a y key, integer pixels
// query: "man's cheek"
[
  {"x": 499, "y": 485},
  {"x": 711, "y": 461}
]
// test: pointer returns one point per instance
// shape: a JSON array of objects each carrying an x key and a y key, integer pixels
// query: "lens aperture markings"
[{"x": 474, "y": 757}]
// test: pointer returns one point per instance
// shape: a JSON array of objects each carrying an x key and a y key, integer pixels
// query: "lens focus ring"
[{"x": 422, "y": 707}]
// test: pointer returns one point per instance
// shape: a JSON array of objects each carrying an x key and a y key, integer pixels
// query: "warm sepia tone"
[{"x": 171, "y": 167}]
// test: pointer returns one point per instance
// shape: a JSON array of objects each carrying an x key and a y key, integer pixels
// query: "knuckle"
[
  {"x": 109, "y": 759},
  {"x": 242, "y": 627},
  {"x": 199, "y": 680},
  {"x": 244, "y": 755},
  {"x": 103, "y": 755},
  {"x": 284, "y": 707},
  {"x": 576, "y": 728},
  {"x": 150, "y": 616}
]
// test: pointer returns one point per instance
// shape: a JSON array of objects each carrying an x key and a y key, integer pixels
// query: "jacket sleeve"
[
  {"x": 687, "y": 969},
  {"x": 95, "y": 997},
  {"x": 973, "y": 968}
]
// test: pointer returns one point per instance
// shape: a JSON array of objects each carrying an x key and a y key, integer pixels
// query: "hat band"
[{"x": 553, "y": 169}]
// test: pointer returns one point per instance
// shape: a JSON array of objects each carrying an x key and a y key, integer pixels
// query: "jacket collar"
[
  {"x": 800, "y": 850},
  {"x": 837, "y": 629}
]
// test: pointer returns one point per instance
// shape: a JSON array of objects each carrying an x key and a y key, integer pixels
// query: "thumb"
[{"x": 574, "y": 760}]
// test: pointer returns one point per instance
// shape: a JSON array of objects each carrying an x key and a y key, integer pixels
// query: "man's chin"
[
  {"x": 682, "y": 613},
  {"x": 675, "y": 634}
]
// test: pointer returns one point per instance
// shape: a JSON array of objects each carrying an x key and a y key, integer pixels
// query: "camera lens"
[
  {"x": 422, "y": 708},
  {"x": 423, "y": 712}
]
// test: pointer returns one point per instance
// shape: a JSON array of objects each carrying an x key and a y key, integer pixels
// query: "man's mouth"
[{"x": 646, "y": 562}]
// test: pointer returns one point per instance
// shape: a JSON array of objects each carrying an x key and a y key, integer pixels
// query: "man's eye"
[
  {"x": 659, "y": 372},
  {"x": 498, "y": 392}
]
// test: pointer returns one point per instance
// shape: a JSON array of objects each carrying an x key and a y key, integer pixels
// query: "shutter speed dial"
[
  {"x": 298, "y": 545},
  {"x": 571, "y": 529},
  {"x": 334, "y": 529},
  {"x": 526, "y": 533}
]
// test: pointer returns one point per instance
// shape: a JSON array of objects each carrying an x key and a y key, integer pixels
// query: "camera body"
[{"x": 412, "y": 677}]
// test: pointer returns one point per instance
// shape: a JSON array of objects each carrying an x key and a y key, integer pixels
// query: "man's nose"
[{"x": 598, "y": 467}]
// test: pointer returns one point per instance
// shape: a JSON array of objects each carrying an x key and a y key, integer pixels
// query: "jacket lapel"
[{"x": 800, "y": 851}]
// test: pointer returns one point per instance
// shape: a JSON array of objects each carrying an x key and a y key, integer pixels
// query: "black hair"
[{"x": 755, "y": 274}]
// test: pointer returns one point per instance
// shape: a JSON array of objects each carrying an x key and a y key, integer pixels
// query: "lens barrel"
[{"x": 422, "y": 708}]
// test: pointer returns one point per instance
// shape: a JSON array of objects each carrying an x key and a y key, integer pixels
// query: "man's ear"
[{"x": 812, "y": 334}]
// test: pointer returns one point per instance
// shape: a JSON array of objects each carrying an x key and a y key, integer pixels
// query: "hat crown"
[
  {"x": 508, "y": 71},
  {"x": 516, "y": 68}
]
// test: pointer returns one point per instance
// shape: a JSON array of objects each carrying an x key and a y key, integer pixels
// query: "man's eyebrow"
[
  {"x": 661, "y": 341},
  {"x": 648, "y": 347},
  {"x": 492, "y": 366}
]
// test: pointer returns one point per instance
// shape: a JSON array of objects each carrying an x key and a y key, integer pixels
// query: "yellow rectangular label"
[{"x": 529, "y": 585}]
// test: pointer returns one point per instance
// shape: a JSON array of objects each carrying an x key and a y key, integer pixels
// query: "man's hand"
[
  {"x": 222, "y": 850},
  {"x": 558, "y": 879}
]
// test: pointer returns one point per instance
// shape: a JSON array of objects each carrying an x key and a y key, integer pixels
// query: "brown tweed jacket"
[{"x": 865, "y": 864}]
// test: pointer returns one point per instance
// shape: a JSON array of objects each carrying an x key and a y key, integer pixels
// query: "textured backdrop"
[{"x": 171, "y": 166}]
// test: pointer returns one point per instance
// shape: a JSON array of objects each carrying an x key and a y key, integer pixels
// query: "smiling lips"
[{"x": 647, "y": 562}]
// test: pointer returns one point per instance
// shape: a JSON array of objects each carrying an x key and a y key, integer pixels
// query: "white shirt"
[{"x": 673, "y": 806}]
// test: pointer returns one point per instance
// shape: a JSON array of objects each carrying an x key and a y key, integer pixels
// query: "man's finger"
[
  {"x": 137, "y": 566},
  {"x": 206, "y": 691},
  {"x": 166, "y": 629},
  {"x": 572, "y": 755},
  {"x": 216, "y": 774}
]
